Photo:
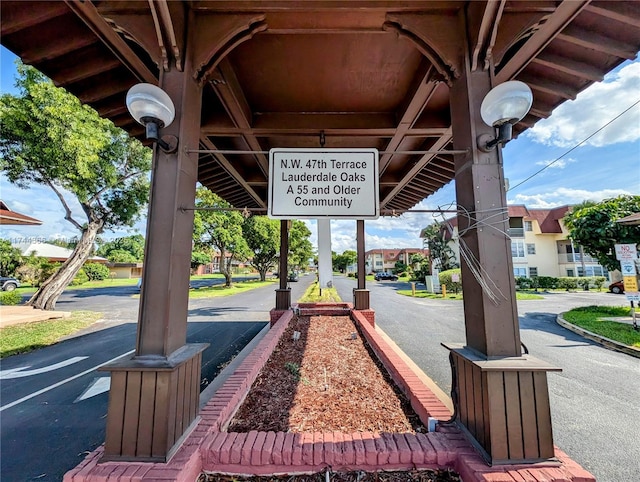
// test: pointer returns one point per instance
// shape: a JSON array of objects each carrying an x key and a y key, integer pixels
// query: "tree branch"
[
  {"x": 97, "y": 195},
  {"x": 67, "y": 210}
]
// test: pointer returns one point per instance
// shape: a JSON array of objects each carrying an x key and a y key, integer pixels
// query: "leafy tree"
[
  {"x": 36, "y": 270},
  {"x": 199, "y": 258},
  {"x": 399, "y": 268},
  {"x": 221, "y": 229},
  {"x": 10, "y": 258},
  {"x": 440, "y": 252},
  {"x": 593, "y": 226},
  {"x": 133, "y": 245},
  {"x": 341, "y": 261},
  {"x": 96, "y": 271},
  {"x": 263, "y": 238},
  {"x": 419, "y": 267},
  {"x": 300, "y": 248},
  {"x": 49, "y": 138},
  {"x": 121, "y": 256}
]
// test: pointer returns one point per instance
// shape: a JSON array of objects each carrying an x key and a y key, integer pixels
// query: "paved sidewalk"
[{"x": 13, "y": 315}]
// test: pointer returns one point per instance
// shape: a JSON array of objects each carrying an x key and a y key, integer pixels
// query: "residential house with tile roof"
[{"x": 540, "y": 245}]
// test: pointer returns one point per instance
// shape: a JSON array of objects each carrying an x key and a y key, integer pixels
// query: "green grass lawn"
[
  {"x": 238, "y": 287},
  {"x": 452, "y": 296},
  {"x": 27, "y": 337},
  {"x": 313, "y": 295},
  {"x": 591, "y": 318}
]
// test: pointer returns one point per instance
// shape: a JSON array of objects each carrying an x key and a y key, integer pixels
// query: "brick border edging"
[
  {"x": 606, "y": 342},
  {"x": 423, "y": 401}
]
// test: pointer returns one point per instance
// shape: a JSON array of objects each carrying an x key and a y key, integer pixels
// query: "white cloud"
[
  {"x": 563, "y": 196},
  {"x": 575, "y": 120},
  {"x": 556, "y": 164}
]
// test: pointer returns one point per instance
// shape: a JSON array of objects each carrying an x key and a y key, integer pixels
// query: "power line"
[{"x": 576, "y": 146}]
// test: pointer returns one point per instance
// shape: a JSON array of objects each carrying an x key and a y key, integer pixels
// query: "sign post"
[{"x": 627, "y": 254}]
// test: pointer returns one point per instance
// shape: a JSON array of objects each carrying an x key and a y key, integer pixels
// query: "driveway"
[{"x": 594, "y": 400}]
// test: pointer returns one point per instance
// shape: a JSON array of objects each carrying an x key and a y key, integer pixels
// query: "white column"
[{"x": 325, "y": 268}]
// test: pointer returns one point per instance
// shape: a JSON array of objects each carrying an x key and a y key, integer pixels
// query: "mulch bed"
[
  {"x": 325, "y": 381},
  {"x": 409, "y": 476}
]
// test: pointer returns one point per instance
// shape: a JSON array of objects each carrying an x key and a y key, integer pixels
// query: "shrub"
[
  {"x": 36, "y": 270},
  {"x": 96, "y": 271},
  {"x": 598, "y": 282},
  {"x": 81, "y": 278},
  {"x": 584, "y": 282},
  {"x": 547, "y": 282},
  {"x": 446, "y": 278},
  {"x": 523, "y": 283},
  {"x": 568, "y": 283},
  {"x": 10, "y": 297}
]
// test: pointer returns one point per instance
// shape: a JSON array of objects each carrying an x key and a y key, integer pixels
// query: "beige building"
[
  {"x": 377, "y": 260},
  {"x": 540, "y": 245}
]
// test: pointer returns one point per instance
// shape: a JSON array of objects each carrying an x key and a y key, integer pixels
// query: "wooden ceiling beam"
[
  {"x": 624, "y": 12},
  {"x": 15, "y": 17},
  {"x": 562, "y": 16},
  {"x": 414, "y": 107},
  {"x": 597, "y": 42},
  {"x": 569, "y": 66},
  {"x": 87, "y": 12},
  {"x": 235, "y": 103},
  {"x": 227, "y": 166},
  {"x": 419, "y": 166},
  {"x": 549, "y": 86}
]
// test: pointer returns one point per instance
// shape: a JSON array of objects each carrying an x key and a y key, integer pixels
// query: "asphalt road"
[
  {"x": 53, "y": 402},
  {"x": 595, "y": 401}
]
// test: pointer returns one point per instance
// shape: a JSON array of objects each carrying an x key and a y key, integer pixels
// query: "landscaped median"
[{"x": 611, "y": 326}]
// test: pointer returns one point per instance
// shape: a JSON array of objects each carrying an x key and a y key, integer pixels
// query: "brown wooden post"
[
  {"x": 361, "y": 295},
  {"x": 154, "y": 396},
  {"x": 500, "y": 394},
  {"x": 283, "y": 295}
]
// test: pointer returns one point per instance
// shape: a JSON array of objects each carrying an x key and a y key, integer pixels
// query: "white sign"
[
  {"x": 323, "y": 183},
  {"x": 628, "y": 268},
  {"x": 634, "y": 296},
  {"x": 626, "y": 251}
]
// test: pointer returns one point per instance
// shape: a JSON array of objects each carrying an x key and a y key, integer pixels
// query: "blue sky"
[{"x": 606, "y": 165}]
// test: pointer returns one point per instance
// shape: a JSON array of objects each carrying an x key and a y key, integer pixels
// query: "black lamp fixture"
[
  {"x": 152, "y": 107},
  {"x": 502, "y": 107}
]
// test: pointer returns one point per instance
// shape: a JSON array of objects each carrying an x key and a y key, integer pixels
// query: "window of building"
[
  {"x": 531, "y": 248},
  {"x": 528, "y": 225},
  {"x": 519, "y": 272},
  {"x": 593, "y": 271},
  {"x": 517, "y": 249},
  {"x": 533, "y": 271},
  {"x": 378, "y": 263},
  {"x": 570, "y": 272}
]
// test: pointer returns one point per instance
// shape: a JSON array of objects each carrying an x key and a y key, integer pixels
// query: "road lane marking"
[
  {"x": 60, "y": 383},
  {"x": 96, "y": 387},
  {"x": 23, "y": 372}
]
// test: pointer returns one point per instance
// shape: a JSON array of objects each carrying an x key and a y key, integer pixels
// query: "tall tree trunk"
[{"x": 49, "y": 292}]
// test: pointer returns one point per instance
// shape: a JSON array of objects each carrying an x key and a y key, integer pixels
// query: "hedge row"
[{"x": 563, "y": 283}]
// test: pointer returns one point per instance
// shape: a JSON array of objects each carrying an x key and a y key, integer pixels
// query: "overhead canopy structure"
[
  {"x": 405, "y": 77},
  {"x": 367, "y": 73}
]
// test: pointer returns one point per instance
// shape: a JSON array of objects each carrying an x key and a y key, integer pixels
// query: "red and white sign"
[{"x": 626, "y": 251}]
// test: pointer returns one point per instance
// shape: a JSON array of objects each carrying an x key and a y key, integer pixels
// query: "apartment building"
[
  {"x": 385, "y": 259},
  {"x": 540, "y": 245}
]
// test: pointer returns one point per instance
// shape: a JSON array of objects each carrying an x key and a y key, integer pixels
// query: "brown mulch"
[
  {"x": 325, "y": 381},
  {"x": 359, "y": 476}
]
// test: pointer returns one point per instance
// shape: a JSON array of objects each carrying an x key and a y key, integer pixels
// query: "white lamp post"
[
  {"x": 152, "y": 107},
  {"x": 502, "y": 107}
]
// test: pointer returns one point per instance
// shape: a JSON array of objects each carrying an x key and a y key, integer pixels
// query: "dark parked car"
[
  {"x": 385, "y": 275},
  {"x": 8, "y": 284},
  {"x": 292, "y": 277},
  {"x": 617, "y": 287}
]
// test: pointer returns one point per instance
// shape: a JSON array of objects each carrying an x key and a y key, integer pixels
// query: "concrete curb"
[{"x": 606, "y": 342}]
